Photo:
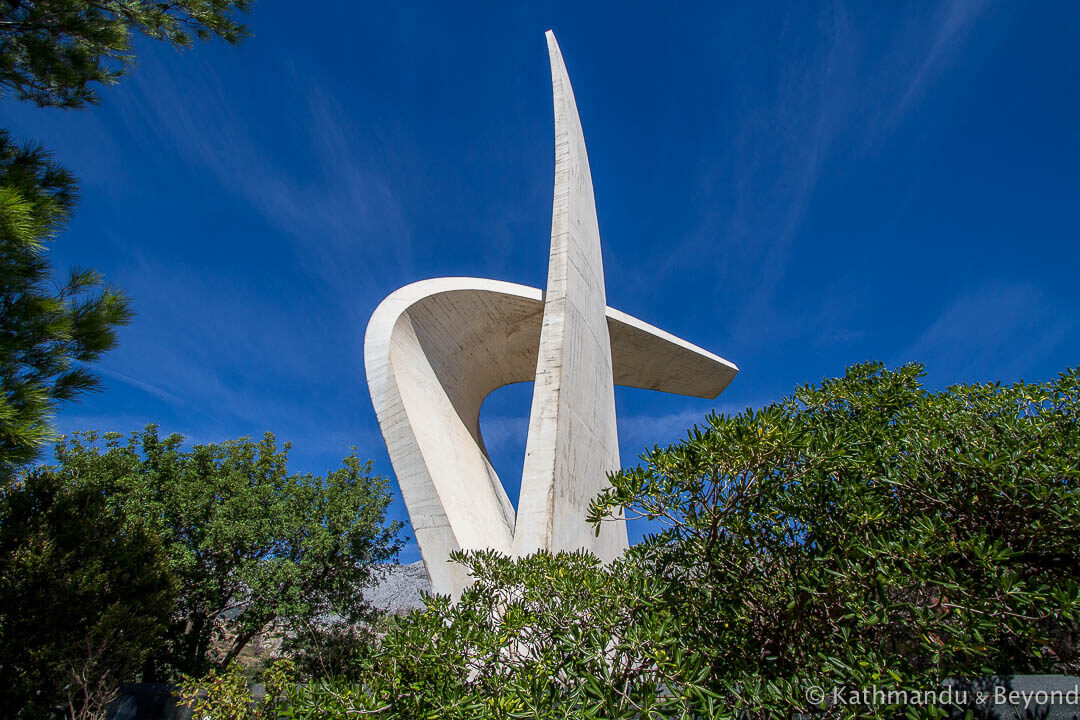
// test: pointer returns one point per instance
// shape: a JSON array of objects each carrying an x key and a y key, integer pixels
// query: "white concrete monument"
[{"x": 436, "y": 348}]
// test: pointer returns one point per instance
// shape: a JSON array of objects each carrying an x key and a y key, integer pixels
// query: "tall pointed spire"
[{"x": 572, "y": 442}]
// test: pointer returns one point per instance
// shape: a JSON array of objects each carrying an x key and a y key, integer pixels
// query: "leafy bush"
[
  {"x": 225, "y": 695},
  {"x": 251, "y": 547},
  {"x": 545, "y": 636},
  {"x": 329, "y": 649},
  {"x": 863, "y": 533},
  {"x": 84, "y": 594},
  {"x": 868, "y": 532}
]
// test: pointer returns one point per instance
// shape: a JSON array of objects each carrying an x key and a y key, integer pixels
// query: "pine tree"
[
  {"x": 46, "y": 330},
  {"x": 51, "y": 51},
  {"x": 55, "y": 53}
]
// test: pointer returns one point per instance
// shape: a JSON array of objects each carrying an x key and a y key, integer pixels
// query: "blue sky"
[{"x": 794, "y": 186}]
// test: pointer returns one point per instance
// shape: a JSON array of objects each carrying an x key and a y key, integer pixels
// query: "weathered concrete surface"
[
  {"x": 573, "y": 442},
  {"x": 435, "y": 349}
]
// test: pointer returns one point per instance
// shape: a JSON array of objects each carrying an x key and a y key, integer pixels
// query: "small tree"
[
  {"x": 251, "y": 546},
  {"x": 84, "y": 594},
  {"x": 547, "y": 636}
]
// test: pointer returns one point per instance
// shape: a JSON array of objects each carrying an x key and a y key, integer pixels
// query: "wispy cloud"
[
  {"x": 644, "y": 431},
  {"x": 503, "y": 430},
  {"x": 1006, "y": 328},
  {"x": 334, "y": 201},
  {"x": 837, "y": 96},
  {"x": 152, "y": 389},
  {"x": 639, "y": 431},
  {"x": 222, "y": 340},
  {"x": 953, "y": 22},
  {"x": 783, "y": 134}
]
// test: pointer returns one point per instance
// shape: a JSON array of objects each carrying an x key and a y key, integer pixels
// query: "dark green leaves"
[
  {"x": 252, "y": 546},
  {"x": 52, "y": 52},
  {"x": 861, "y": 534},
  {"x": 85, "y": 593},
  {"x": 866, "y": 528}
]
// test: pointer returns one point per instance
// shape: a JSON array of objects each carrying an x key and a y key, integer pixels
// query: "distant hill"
[{"x": 399, "y": 591}]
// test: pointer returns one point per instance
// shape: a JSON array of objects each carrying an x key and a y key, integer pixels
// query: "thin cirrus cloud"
[
  {"x": 1008, "y": 327},
  {"x": 339, "y": 212},
  {"x": 196, "y": 332},
  {"x": 217, "y": 335},
  {"x": 953, "y": 22},
  {"x": 155, "y": 390},
  {"x": 833, "y": 101}
]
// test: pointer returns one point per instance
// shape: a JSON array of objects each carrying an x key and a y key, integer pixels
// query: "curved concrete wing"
[{"x": 435, "y": 349}]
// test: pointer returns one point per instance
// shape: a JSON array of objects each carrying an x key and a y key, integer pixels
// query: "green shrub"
[
  {"x": 864, "y": 533},
  {"x": 225, "y": 694},
  {"x": 328, "y": 649},
  {"x": 252, "y": 547},
  {"x": 867, "y": 532},
  {"x": 544, "y": 636},
  {"x": 85, "y": 593}
]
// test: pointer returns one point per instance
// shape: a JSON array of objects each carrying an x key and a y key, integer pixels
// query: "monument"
[{"x": 436, "y": 348}]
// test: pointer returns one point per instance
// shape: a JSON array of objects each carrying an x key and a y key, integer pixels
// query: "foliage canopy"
[
  {"x": 85, "y": 593},
  {"x": 52, "y": 51},
  {"x": 861, "y": 533},
  {"x": 251, "y": 546},
  {"x": 866, "y": 527}
]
